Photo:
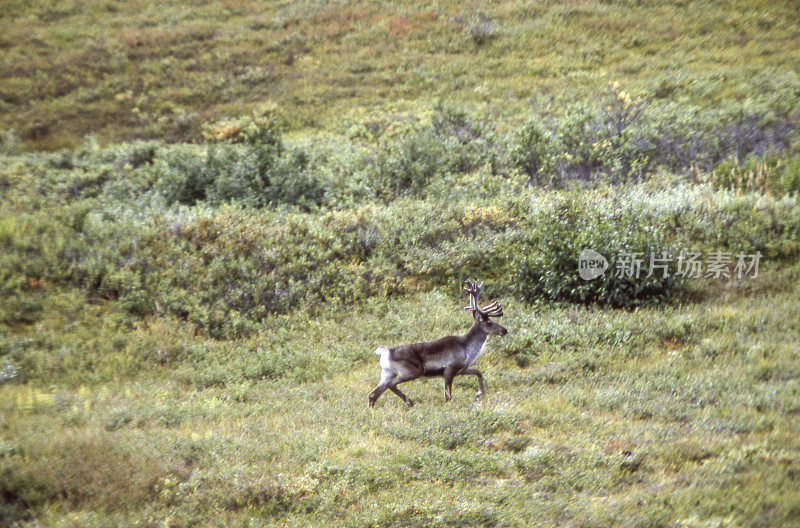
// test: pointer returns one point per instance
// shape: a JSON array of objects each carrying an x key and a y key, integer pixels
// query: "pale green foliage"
[
  {"x": 186, "y": 329},
  {"x": 624, "y": 138},
  {"x": 584, "y": 406}
]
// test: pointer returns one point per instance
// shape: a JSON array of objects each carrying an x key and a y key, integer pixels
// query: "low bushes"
[
  {"x": 545, "y": 262},
  {"x": 248, "y": 164},
  {"x": 226, "y": 268},
  {"x": 772, "y": 174},
  {"x": 251, "y": 224},
  {"x": 623, "y": 138}
]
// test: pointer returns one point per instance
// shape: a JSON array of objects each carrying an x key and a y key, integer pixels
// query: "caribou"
[{"x": 447, "y": 357}]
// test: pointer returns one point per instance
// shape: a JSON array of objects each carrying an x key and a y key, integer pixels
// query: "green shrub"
[
  {"x": 622, "y": 138},
  {"x": 681, "y": 135},
  {"x": 133, "y": 154},
  {"x": 530, "y": 150},
  {"x": 469, "y": 142},
  {"x": 293, "y": 182},
  {"x": 183, "y": 179},
  {"x": 256, "y": 173},
  {"x": 9, "y": 371},
  {"x": 413, "y": 154},
  {"x": 9, "y": 143},
  {"x": 222, "y": 235},
  {"x": 481, "y": 30},
  {"x": 259, "y": 128},
  {"x": 773, "y": 174},
  {"x": 225, "y": 268},
  {"x": 407, "y": 166},
  {"x": 585, "y": 142},
  {"x": 545, "y": 261}
]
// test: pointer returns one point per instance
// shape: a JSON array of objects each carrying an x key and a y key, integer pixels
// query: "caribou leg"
[
  {"x": 477, "y": 373},
  {"x": 405, "y": 398}
]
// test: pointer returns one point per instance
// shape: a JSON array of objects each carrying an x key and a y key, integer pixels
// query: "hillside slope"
[{"x": 124, "y": 70}]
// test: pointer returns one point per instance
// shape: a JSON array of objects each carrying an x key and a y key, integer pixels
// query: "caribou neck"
[{"x": 475, "y": 335}]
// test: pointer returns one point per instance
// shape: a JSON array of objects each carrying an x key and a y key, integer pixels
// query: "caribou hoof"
[{"x": 409, "y": 404}]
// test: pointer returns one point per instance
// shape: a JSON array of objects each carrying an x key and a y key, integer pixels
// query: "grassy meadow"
[
  {"x": 213, "y": 212},
  {"x": 138, "y": 69}
]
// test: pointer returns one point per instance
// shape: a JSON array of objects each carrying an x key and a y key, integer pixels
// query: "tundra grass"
[
  {"x": 115, "y": 411},
  {"x": 685, "y": 415},
  {"x": 123, "y": 70}
]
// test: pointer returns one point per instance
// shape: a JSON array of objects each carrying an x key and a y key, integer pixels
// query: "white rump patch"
[{"x": 383, "y": 352}]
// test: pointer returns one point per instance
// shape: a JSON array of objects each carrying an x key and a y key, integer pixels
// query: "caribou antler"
[{"x": 474, "y": 288}]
